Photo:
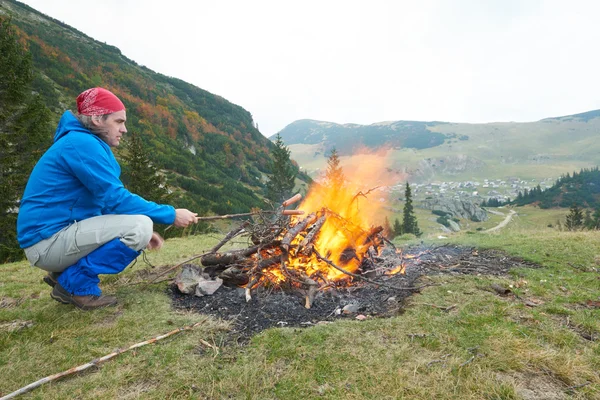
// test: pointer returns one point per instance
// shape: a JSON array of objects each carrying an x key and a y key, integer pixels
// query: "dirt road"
[{"x": 503, "y": 223}]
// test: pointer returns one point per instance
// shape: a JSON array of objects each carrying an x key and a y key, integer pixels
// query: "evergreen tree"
[
  {"x": 574, "y": 219},
  {"x": 588, "y": 222},
  {"x": 596, "y": 219},
  {"x": 281, "y": 182},
  {"x": 398, "y": 231},
  {"x": 140, "y": 175},
  {"x": 335, "y": 174},
  {"x": 409, "y": 220},
  {"x": 24, "y": 133}
]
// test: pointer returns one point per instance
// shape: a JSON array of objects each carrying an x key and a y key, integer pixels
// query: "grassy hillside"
[
  {"x": 208, "y": 147},
  {"x": 543, "y": 149},
  {"x": 457, "y": 339}
]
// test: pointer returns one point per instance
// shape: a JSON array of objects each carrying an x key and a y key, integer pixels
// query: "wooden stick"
[
  {"x": 97, "y": 361},
  {"x": 214, "y": 217},
  {"x": 178, "y": 265},
  {"x": 230, "y": 236}
]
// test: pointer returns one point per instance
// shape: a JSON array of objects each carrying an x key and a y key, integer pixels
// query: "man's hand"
[
  {"x": 156, "y": 242},
  {"x": 184, "y": 217}
]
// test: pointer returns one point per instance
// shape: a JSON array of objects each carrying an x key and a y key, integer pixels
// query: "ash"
[{"x": 274, "y": 308}]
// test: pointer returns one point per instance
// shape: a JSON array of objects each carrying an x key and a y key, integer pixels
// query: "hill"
[
  {"x": 430, "y": 151},
  {"x": 581, "y": 188},
  {"x": 210, "y": 149}
]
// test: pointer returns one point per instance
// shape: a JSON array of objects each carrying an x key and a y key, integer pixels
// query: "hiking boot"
[
  {"x": 51, "y": 279},
  {"x": 88, "y": 302}
]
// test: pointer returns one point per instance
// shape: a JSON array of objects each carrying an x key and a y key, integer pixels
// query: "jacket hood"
[{"x": 68, "y": 123}]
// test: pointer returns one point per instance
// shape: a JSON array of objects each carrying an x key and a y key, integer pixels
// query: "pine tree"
[
  {"x": 140, "y": 175},
  {"x": 588, "y": 222},
  {"x": 574, "y": 220},
  {"x": 398, "y": 230},
  {"x": 282, "y": 181},
  {"x": 334, "y": 176},
  {"x": 409, "y": 220},
  {"x": 24, "y": 133},
  {"x": 143, "y": 178}
]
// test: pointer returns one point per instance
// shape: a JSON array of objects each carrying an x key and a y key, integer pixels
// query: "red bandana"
[{"x": 98, "y": 101}]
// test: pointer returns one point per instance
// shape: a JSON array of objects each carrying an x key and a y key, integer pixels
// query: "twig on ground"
[
  {"x": 447, "y": 308},
  {"x": 418, "y": 335},
  {"x": 469, "y": 361},
  {"x": 572, "y": 388},
  {"x": 97, "y": 361},
  {"x": 441, "y": 359}
]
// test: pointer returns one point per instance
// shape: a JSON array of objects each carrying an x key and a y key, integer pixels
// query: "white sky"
[{"x": 362, "y": 61}]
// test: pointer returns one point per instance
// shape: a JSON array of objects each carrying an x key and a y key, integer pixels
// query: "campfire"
[{"x": 329, "y": 242}]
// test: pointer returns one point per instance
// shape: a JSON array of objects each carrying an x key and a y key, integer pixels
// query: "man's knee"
[{"x": 138, "y": 237}]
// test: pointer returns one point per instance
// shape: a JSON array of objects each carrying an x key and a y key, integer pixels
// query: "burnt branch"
[{"x": 362, "y": 278}]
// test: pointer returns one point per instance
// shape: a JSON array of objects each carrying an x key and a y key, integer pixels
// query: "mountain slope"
[
  {"x": 209, "y": 148},
  {"x": 451, "y": 151}
]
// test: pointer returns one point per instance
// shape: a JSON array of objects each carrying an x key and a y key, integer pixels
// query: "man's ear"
[{"x": 96, "y": 120}]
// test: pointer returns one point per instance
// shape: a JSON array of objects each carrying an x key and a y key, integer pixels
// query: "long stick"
[
  {"x": 233, "y": 215},
  {"x": 176, "y": 266},
  {"x": 97, "y": 361}
]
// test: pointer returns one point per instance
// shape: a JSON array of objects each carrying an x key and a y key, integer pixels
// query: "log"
[
  {"x": 306, "y": 245},
  {"x": 231, "y": 257},
  {"x": 268, "y": 262},
  {"x": 294, "y": 231}
]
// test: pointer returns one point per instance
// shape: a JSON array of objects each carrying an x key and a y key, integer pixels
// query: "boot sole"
[
  {"x": 60, "y": 298},
  {"x": 69, "y": 300}
]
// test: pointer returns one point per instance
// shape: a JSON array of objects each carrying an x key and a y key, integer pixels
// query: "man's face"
[{"x": 112, "y": 128}]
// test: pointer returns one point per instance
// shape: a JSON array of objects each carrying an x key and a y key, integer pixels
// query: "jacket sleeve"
[{"x": 96, "y": 168}]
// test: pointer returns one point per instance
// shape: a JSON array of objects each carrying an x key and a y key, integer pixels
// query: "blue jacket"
[{"x": 77, "y": 178}]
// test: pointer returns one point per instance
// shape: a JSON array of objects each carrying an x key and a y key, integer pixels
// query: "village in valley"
[{"x": 502, "y": 190}]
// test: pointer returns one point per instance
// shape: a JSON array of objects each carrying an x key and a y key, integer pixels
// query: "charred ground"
[{"x": 277, "y": 308}]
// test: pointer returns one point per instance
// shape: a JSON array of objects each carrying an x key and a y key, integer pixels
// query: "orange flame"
[
  {"x": 400, "y": 269},
  {"x": 353, "y": 209}
]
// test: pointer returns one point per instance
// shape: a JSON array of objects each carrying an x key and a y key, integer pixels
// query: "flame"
[
  {"x": 352, "y": 210},
  {"x": 400, "y": 269}
]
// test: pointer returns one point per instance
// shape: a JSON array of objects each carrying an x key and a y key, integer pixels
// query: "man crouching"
[{"x": 77, "y": 220}]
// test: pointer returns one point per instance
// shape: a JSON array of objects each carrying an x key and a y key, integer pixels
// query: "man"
[{"x": 76, "y": 219}]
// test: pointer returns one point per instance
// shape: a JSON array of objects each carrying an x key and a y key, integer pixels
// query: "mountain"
[
  {"x": 429, "y": 151},
  {"x": 210, "y": 149}
]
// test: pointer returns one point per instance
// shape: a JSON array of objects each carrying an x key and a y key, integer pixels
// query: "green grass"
[{"x": 487, "y": 347}]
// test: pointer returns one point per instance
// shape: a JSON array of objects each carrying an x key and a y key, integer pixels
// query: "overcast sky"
[{"x": 362, "y": 61}]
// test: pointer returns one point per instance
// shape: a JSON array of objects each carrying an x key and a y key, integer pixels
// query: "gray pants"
[{"x": 79, "y": 239}]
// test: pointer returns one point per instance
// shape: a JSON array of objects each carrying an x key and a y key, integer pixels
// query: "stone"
[
  {"x": 188, "y": 278},
  {"x": 207, "y": 286},
  {"x": 457, "y": 207}
]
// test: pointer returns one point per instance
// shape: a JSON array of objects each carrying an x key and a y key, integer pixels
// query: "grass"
[{"x": 487, "y": 347}]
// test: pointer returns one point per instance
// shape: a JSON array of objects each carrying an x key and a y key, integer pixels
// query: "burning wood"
[{"x": 287, "y": 252}]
